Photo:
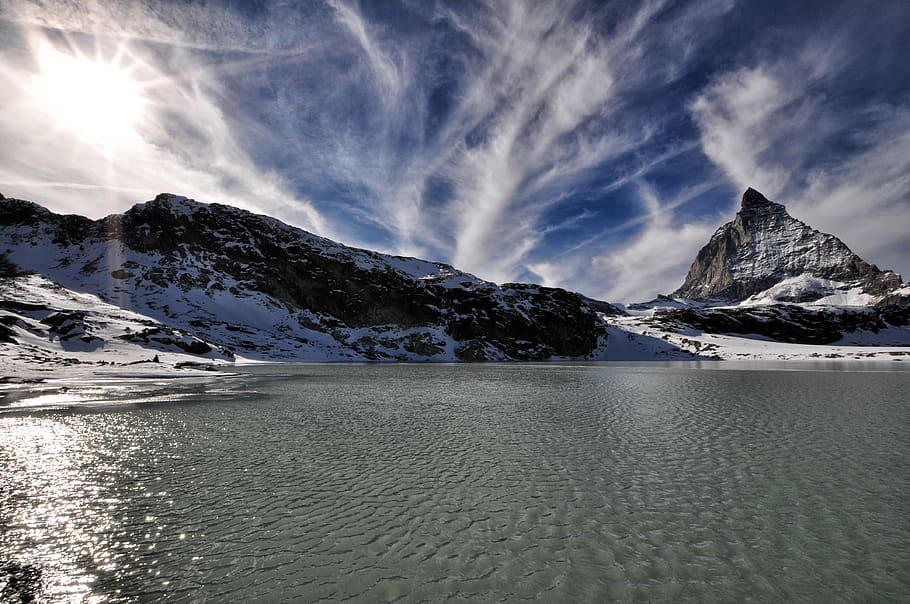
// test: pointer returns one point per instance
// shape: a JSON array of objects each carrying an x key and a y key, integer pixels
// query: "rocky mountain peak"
[
  {"x": 754, "y": 199},
  {"x": 764, "y": 246},
  {"x": 20, "y": 211},
  {"x": 757, "y": 209},
  {"x": 168, "y": 203},
  {"x": 170, "y": 199}
]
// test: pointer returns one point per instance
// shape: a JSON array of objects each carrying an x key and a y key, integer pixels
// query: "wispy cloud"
[
  {"x": 183, "y": 142},
  {"x": 740, "y": 117},
  {"x": 866, "y": 199},
  {"x": 573, "y": 142},
  {"x": 653, "y": 261},
  {"x": 844, "y": 169},
  {"x": 452, "y": 140},
  {"x": 535, "y": 107}
]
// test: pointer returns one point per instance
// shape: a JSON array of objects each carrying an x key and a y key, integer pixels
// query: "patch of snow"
[
  {"x": 814, "y": 290},
  {"x": 858, "y": 346}
]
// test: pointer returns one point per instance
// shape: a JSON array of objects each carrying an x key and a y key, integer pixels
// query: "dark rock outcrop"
[
  {"x": 895, "y": 308},
  {"x": 782, "y": 323}
]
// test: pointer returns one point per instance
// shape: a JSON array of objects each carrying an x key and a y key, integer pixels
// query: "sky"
[{"x": 592, "y": 146}]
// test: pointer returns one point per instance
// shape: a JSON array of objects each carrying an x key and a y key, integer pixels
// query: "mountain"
[
  {"x": 250, "y": 285},
  {"x": 173, "y": 282},
  {"x": 766, "y": 285},
  {"x": 767, "y": 254}
]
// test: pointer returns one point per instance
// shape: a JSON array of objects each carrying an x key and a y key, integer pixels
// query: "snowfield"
[{"x": 47, "y": 330}]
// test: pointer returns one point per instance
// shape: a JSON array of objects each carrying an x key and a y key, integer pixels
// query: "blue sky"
[{"x": 592, "y": 146}]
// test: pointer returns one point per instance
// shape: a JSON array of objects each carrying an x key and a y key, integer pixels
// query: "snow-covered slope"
[
  {"x": 792, "y": 338},
  {"x": 765, "y": 248},
  {"x": 44, "y": 326},
  {"x": 809, "y": 290},
  {"x": 270, "y": 291}
]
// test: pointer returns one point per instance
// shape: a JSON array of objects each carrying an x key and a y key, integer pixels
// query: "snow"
[
  {"x": 232, "y": 314},
  {"x": 195, "y": 297},
  {"x": 629, "y": 345},
  {"x": 806, "y": 285},
  {"x": 103, "y": 343},
  {"x": 638, "y": 338}
]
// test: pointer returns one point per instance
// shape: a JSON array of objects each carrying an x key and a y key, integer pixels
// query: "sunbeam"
[{"x": 97, "y": 99}]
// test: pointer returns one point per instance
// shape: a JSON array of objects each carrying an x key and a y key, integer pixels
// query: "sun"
[{"x": 99, "y": 101}]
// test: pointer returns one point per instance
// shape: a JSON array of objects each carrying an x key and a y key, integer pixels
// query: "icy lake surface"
[{"x": 557, "y": 483}]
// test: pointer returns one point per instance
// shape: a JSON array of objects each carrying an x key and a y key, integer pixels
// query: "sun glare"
[{"x": 98, "y": 101}]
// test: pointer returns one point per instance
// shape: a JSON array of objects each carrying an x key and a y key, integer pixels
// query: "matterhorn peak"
[
  {"x": 764, "y": 246},
  {"x": 753, "y": 199},
  {"x": 756, "y": 205}
]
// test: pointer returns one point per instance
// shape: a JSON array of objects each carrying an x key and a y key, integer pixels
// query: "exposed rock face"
[
  {"x": 269, "y": 290},
  {"x": 782, "y": 323},
  {"x": 763, "y": 246},
  {"x": 895, "y": 307}
]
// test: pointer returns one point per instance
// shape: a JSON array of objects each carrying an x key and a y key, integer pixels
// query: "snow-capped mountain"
[
  {"x": 767, "y": 284},
  {"x": 266, "y": 290},
  {"x": 764, "y": 255}
]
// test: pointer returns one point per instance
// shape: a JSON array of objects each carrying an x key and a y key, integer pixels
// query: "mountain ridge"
[
  {"x": 269, "y": 290},
  {"x": 180, "y": 279}
]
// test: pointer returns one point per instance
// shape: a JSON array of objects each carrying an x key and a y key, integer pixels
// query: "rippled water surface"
[{"x": 556, "y": 483}]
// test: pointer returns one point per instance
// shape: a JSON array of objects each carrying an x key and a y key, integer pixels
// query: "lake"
[{"x": 496, "y": 482}]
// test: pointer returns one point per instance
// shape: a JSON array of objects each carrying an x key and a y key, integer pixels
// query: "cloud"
[
  {"x": 459, "y": 139},
  {"x": 739, "y": 117},
  {"x": 842, "y": 168},
  {"x": 866, "y": 199},
  {"x": 571, "y": 141},
  {"x": 505, "y": 108},
  {"x": 656, "y": 259},
  {"x": 653, "y": 260},
  {"x": 534, "y": 92},
  {"x": 182, "y": 142},
  {"x": 208, "y": 26}
]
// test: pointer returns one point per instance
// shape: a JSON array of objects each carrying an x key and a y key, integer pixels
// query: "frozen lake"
[{"x": 500, "y": 482}]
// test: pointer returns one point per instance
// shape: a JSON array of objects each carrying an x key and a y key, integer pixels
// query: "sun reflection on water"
[
  {"x": 55, "y": 503},
  {"x": 79, "y": 483}
]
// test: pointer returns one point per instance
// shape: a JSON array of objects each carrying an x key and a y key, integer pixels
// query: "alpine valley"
[{"x": 174, "y": 282}]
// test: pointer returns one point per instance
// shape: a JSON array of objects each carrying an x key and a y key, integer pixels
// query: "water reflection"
[
  {"x": 85, "y": 395},
  {"x": 483, "y": 483},
  {"x": 73, "y": 469},
  {"x": 62, "y": 513}
]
